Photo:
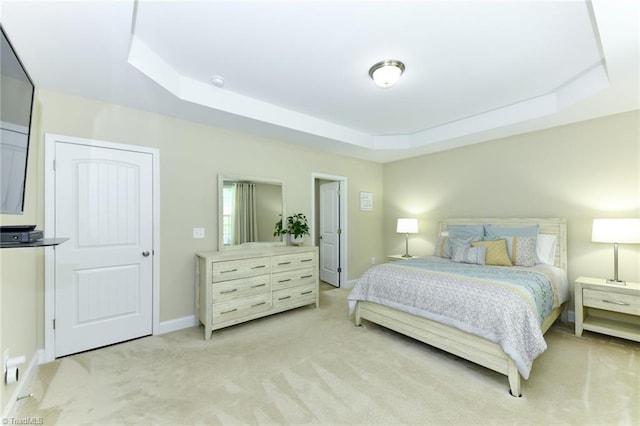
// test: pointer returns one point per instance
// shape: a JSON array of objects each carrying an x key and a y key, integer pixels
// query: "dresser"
[{"x": 239, "y": 285}]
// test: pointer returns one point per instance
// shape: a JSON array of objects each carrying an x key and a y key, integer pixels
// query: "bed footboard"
[{"x": 449, "y": 339}]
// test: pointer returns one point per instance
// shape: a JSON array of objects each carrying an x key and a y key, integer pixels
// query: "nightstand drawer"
[{"x": 617, "y": 302}]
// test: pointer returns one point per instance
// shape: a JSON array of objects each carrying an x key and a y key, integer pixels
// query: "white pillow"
[{"x": 546, "y": 249}]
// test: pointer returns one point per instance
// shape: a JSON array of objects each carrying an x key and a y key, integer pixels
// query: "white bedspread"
[{"x": 503, "y": 305}]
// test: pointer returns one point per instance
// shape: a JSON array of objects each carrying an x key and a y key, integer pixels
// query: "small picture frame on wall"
[{"x": 366, "y": 201}]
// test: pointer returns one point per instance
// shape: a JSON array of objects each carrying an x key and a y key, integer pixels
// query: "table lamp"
[
  {"x": 407, "y": 226},
  {"x": 616, "y": 231}
]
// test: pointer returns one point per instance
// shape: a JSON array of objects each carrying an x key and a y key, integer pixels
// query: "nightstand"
[
  {"x": 607, "y": 308},
  {"x": 394, "y": 257}
]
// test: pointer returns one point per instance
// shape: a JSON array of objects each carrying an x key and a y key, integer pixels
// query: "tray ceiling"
[{"x": 298, "y": 71}]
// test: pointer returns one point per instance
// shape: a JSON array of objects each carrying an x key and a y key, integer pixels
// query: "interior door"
[
  {"x": 104, "y": 273},
  {"x": 330, "y": 233}
]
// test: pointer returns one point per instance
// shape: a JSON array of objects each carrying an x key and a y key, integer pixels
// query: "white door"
[
  {"x": 104, "y": 273},
  {"x": 330, "y": 233}
]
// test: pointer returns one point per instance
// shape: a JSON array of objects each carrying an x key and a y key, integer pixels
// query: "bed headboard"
[{"x": 552, "y": 226}]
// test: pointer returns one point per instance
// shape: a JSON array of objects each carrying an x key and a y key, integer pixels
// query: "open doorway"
[{"x": 330, "y": 226}]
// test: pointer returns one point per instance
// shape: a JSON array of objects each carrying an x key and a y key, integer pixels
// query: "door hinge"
[
  {"x": 54, "y": 165},
  {"x": 339, "y": 269},
  {"x": 339, "y": 231},
  {"x": 54, "y": 323}
]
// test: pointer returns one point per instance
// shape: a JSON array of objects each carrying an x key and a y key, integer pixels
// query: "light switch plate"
[{"x": 198, "y": 233}]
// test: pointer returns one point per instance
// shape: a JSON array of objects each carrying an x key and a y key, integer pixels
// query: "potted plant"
[{"x": 296, "y": 226}]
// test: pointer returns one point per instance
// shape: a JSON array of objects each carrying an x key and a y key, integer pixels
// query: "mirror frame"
[{"x": 222, "y": 178}]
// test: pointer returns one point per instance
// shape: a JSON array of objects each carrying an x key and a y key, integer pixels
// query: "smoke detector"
[{"x": 217, "y": 80}]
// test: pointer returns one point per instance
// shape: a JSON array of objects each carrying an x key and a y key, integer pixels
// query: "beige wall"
[
  {"x": 21, "y": 278},
  {"x": 191, "y": 156},
  {"x": 579, "y": 172}
]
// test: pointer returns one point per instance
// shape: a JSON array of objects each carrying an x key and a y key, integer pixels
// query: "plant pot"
[{"x": 296, "y": 241}]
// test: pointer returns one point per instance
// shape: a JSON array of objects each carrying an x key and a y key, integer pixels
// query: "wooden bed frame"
[{"x": 471, "y": 347}]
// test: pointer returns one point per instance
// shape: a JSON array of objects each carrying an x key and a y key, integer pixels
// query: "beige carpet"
[{"x": 312, "y": 366}]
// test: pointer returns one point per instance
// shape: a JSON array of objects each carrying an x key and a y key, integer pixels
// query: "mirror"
[{"x": 248, "y": 209}]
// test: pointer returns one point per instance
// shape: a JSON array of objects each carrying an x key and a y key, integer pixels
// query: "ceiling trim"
[{"x": 147, "y": 61}]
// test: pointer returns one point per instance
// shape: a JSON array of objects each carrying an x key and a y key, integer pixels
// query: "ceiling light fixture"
[{"x": 386, "y": 73}]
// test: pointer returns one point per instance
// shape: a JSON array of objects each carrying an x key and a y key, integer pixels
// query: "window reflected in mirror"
[{"x": 249, "y": 210}]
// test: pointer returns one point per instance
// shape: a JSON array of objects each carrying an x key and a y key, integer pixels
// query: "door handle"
[{"x": 145, "y": 253}]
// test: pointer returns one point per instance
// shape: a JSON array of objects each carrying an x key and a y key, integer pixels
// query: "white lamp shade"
[
  {"x": 623, "y": 231},
  {"x": 407, "y": 226}
]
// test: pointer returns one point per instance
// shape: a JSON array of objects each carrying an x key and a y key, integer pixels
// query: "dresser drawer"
[
  {"x": 295, "y": 295},
  {"x": 287, "y": 262},
  {"x": 238, "y": 308},
  {"x": 231, "y": 289},
  {"x": 293, "y": 278},
  {"x": 611, "y": 301},
  {"x": 232, "y": 269}
]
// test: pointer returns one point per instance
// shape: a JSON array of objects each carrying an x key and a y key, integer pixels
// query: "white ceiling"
[{"x": 298, "y": 70}]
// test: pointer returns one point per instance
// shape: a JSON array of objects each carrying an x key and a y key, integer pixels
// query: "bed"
[{"x": 492, "y": 315}]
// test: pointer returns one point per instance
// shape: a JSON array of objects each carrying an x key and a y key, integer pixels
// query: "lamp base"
[
  {"x": 407, "y": 255},
  {"x": 616, "y": 282}
]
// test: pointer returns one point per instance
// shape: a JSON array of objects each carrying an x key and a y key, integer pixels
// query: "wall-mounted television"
[{"x": 16, "y": 105}]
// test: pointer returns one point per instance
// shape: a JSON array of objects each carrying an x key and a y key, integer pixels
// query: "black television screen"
[{"x": 16, "y": 104}]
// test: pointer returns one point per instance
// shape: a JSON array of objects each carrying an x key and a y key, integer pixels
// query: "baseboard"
[
  {"x": 22, "y": 387},
  {"x": 176, "y": 324}
]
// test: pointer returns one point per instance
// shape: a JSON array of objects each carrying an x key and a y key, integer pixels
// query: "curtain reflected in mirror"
[
  {"x": 240, "y": 217},
  {"x": 250, "y": 208}
]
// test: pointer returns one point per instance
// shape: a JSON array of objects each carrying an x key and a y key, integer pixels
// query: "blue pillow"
[
  {"x": 466, "y": 231},
  {"x": 496, "y": 232}
]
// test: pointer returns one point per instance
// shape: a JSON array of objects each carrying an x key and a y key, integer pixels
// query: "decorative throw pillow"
[
  {"x": 445, "y": 245},
  {"x": 496, "y": 252},
  {"x": 455, "y": 242},
  {"x": 475, "y": 255},
  {"x": 521, "y": 250}
]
